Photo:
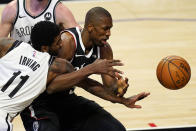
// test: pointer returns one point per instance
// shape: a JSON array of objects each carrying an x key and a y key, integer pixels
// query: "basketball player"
[
  {"x": 19, "y": 16},
  {"x": 25, "y": 72},
  {"x": 75, "y": 112}
]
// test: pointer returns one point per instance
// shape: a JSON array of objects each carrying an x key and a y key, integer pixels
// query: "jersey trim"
[
  {"x": 17, "y": 13},
  {"x": 80, "y": 40},
  {"x": 14, "y": 45},
  {"x": 51, "y": 60},
  {"x": 32, "y": 114},
  {"x": 16, "y": 17},
  {"x": 54, "y": 16},
  {"x": 98, "y": 52},
  {"x": 34, "y": 17},
  {"x": 8, "y": 129}
]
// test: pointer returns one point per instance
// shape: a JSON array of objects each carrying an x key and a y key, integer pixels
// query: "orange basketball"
[{"x": 173, "y": 72}]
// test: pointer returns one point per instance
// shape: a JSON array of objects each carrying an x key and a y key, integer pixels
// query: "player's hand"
[
  {"x": 122, "y": 85},
  {"x": 103, "y": 66},
  {"x": 130, "y": 102}
]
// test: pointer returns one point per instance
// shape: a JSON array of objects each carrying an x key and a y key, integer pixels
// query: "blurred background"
[{"x": 5, "y": 1}]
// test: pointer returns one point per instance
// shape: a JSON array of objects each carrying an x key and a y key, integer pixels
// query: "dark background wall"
[
  {"x": 7, "y": 1},
  {"x": 4, "y": 1}
]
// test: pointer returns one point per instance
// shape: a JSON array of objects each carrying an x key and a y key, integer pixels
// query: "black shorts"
[{"x": 70, "y": 113}]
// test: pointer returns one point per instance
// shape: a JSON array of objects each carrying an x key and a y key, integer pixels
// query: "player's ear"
[
  {"x": 44, "y": 48},
  {"x": 90, "y": 27}
]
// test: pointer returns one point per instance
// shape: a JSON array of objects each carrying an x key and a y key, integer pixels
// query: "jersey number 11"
[{"x": 17, "y": 88}]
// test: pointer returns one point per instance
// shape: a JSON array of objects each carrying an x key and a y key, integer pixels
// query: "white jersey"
[
  {"x": 24, "y": 21},
  {"x": 23, "y": 76}
]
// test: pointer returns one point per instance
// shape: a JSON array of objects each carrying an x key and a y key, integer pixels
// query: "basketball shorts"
[{"x": 71, "y": 113}]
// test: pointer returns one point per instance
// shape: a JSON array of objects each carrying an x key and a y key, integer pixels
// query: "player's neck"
[
  {"x": 86, "y": 41},
  {"x": 36, "y": 6}
]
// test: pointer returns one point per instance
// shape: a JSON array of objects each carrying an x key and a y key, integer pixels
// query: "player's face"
[
  {"x": 101, "y": 31},
  {"x": 54, "y": 48}
]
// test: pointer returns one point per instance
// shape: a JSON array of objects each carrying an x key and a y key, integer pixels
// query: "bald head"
[{"x": 95, "y": 14}]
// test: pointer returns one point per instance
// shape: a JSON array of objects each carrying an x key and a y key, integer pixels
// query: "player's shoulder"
[
  {"x": 11, "y": 6},
  {"x": 61, "y": 9},
  {"x": 64, "y": 15},
  {"x": 68, "y": 46},
  {"x": 60, "y": 5},
  {"x": 67, "y": 37},
  {"x": 10, "y": 10}
]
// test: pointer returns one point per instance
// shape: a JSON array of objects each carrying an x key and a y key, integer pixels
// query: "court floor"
[{"x": 144, "y": 32}]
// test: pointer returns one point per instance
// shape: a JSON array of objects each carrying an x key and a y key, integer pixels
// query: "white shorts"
[{"x": 5, "y": 122}]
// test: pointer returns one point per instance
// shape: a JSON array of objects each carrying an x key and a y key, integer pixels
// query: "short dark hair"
[
  {"x": 96, "y": 13},
  {"x": 44, "y": 33}
]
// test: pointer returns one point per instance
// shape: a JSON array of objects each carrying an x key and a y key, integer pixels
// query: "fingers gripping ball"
[
  {"x": 122, "y": 84},
  {"x": 120, "y": 90},
  {"x": 173, "y": 72}
]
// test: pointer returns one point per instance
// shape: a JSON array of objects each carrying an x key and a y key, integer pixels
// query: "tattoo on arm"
[{"x": 61, "y": 66}]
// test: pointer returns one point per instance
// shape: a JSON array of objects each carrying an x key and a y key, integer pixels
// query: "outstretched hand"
[
  {"x": 130, "y": 101},
  {"x": 103, "y": 66}
]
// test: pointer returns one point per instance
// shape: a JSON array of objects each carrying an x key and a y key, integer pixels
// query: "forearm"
[
  {"x": 68, "y": 80},
  {"x": 110, "y": 84},
  {"x": 5, "y": 29},
  {"x": 99, "y": 90}
]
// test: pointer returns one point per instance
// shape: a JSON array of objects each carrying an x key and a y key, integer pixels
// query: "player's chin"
[{"x": 100, "y": 44}]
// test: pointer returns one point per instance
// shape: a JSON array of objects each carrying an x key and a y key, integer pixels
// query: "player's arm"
[
  {"x": 7, "y": 18},
  {"x": 5, "y": 44},
  {"x": 65, "y": 16},
  {"x": 117, "y": 85},
  {"x": 67, "y": 80},
  {"x": 99, "y": 90},
  {"x": 70, "y": 77},
  {"x": 57, "y": 81}
]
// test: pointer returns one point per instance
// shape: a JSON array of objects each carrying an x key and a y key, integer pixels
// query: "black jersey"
[{"x": 81, "y": 59}]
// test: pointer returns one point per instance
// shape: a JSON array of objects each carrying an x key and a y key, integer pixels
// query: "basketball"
[{"x": 173, "y": 72}]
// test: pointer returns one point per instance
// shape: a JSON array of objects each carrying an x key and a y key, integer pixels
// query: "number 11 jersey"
[{"x": 23, "y": 76}]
